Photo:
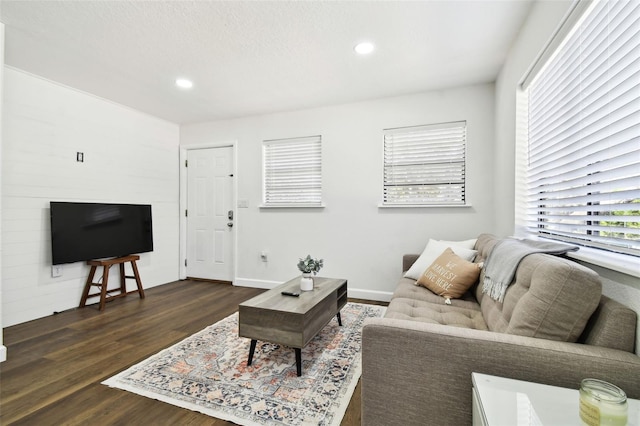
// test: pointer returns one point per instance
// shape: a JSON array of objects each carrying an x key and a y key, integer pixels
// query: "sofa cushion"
[
  {"x": 551, "y": 298},
  {"x": 408, "y": 289},
  {"x": 449, "y": 275},
  {"x": 435, "y": 313},
  {"x": 434, "y": 249}
]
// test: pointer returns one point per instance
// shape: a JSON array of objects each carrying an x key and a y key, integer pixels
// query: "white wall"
[
  {"x": 544, "y": 19},
  {"x": 3, "y": 349},
  {"x": 357, "y": 239},
  {"x": 129, "y": 157}
]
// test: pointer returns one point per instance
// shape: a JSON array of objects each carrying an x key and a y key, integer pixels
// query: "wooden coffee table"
[{"x": 291, "y": 321}]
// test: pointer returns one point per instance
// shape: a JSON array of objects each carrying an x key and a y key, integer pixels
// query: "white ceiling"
[{"x": 255, "y": 57}]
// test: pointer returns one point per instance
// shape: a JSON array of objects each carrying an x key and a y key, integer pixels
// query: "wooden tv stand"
[{"x": 104, "y": 293}]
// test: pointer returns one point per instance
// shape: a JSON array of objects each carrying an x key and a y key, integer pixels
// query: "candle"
[{"x": 602, "y": 403}]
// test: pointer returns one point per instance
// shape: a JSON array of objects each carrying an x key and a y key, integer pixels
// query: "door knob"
[{"x": 230, "y": 224}]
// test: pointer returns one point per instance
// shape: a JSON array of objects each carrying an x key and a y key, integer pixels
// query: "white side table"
[{"x": 498, "y": 401}]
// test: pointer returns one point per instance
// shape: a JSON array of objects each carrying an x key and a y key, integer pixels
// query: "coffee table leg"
[
  {"x": 298, "y": 361},
  {"x": 339, "y": 319},
  {"x": 252, "y": 349}
]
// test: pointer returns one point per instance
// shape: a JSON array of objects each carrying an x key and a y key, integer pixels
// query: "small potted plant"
[{"x": 308, "y": 266}]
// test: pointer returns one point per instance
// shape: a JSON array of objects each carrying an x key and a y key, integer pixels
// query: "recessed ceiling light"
[
  {"x": 364, "y": 48},
  {"x": 184, "y": 83}
]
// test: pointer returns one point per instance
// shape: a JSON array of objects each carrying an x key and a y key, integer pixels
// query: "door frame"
[{"x": 183, "y": 201}]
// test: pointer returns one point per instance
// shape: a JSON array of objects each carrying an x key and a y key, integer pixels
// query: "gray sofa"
[{"x": 553, "y": 327}]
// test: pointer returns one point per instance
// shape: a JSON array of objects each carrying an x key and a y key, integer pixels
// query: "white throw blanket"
[{"x": 501, "y": 265}]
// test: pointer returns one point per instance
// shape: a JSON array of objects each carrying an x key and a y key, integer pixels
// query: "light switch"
[{"x": 56, "y": 271}]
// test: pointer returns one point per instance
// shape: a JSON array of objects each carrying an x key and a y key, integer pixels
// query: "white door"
[{"x": 210, "y": 214}]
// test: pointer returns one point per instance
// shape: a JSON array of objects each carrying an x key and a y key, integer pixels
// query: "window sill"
[
  {"x": 420, "y": 206},
  {"x": 292, "y": 206},
  {"x": 618, "y": 262},
  {"x": 623, "y": 263}
]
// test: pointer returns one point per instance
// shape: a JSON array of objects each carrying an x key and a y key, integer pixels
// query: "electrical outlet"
[
  {"x": 56, "y": 271},
  {"x": 263, "y": 256}
]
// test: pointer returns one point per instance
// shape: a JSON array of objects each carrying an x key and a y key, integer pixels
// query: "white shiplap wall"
[
  {"x": 3, "y": 349},
  {"x": 129, "y": 157}
]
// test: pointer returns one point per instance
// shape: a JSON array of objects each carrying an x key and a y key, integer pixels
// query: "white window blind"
[
  {"x": 293, "y": 172},
  {"x": 425, "y": 165},
  {"x": 583, "y": 176}
]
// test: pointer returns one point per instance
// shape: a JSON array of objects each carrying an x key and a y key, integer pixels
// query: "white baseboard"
[
  {"x": 247, "y": 282},
  {"x": 378, "y": 296},
  {"x": 356, "y": 293},
  {"x": 3, "y": 353}
]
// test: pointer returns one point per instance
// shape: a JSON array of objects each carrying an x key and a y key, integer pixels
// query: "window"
[
  {"x": 583, "y": 171},
  {"x": 293, "y": 172},
  {"x": 425, "y": 165}
]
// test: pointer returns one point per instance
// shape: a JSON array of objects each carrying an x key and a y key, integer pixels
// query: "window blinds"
[
  {"x": 293, "y": 172},
  {"x": 425, "y": 165},
  {"x": 584, "y": 134}
]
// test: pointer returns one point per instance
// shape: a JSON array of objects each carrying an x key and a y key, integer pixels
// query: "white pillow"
[
  {"x": 468, "y": 244},
  {"x": 434, "y": 249}
]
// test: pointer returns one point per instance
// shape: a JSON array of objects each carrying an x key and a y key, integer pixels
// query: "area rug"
[{"x": 207, "y": 372}]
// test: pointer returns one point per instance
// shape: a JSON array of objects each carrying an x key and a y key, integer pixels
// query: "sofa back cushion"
[{"x": 550, "y": 298}]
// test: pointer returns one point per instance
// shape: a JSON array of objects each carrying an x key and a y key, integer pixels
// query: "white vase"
[{"x": 306, "y": 282}]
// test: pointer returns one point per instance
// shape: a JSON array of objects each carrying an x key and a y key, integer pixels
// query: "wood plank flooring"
[{"x": 55, "y": 365}]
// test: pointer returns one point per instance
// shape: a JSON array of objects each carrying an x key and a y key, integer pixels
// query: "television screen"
[{"x": 87, "y": 231}]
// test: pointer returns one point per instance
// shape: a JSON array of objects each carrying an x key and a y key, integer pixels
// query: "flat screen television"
[{"x": 87, "y": 231}]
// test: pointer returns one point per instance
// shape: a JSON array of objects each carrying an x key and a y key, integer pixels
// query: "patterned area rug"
[{"x": 208, "y": 373}]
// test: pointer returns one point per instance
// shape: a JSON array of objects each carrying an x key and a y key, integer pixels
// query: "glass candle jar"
[{"x": 602, "y": 403}]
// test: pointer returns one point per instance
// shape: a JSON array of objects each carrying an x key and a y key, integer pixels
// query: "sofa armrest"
[{"x": 419, "y": 374}]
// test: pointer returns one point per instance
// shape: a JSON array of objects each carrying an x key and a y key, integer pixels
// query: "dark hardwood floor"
[{"x": 55, "y": 365}]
